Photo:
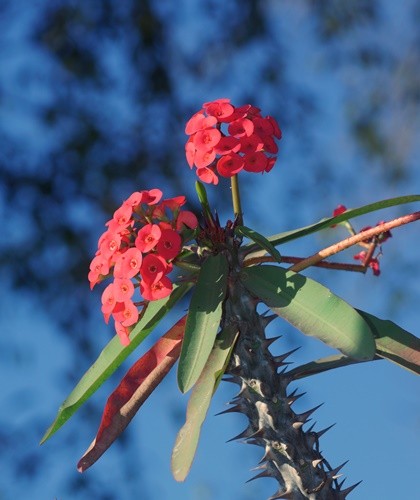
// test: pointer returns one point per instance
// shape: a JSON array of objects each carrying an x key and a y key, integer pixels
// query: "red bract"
[
  {"x": 169, "y": 244},
  {"x": 156, "y": 291},
  {"x": 373, "y": 262},
  {"x": 186, "y": 218},
  {"x": 153, "y": 268},
  {"x": 221, "y": 130},
  {"x": 338, "y": 211},
  {"x": 143, "y": 238}
]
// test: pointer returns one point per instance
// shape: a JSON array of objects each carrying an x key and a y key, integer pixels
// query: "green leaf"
[
  {"x": 203, "y": 320},
  {"x": 394, "y": 343},
  {"x": 198, "y": 405},
  {"x": 112, "y": 356},
  {"x": 311, "y": 308},
  {"x": 260, "y": 240},
  {"x": 279, "y": 239},
  {"x": 323, "y": 365},
  {"x": 202, "y": 198}
]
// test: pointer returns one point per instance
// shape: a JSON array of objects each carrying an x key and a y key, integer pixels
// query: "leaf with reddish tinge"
[
  {"x": 394, "y": 343},
  {"x": 136, "y": 386},
  {"x": 113, "y": 355}
]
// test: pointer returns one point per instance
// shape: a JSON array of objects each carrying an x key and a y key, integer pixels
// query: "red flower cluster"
[
  {"x": 143, "y": 237},
  {"x": 225, "y": 140}
]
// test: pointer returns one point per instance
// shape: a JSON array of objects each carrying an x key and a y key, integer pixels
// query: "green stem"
[{"x": 236, "y": 199}]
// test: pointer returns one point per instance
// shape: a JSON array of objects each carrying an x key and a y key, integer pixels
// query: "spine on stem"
[{"x": 291, "y": 454}]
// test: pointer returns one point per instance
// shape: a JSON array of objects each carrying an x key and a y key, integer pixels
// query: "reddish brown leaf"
[{"x": 136, "y": 386}]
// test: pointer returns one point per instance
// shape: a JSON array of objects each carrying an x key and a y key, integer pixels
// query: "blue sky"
[{"x": 375, "y": 406}]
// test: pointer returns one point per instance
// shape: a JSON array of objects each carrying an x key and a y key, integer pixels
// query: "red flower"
[
  {"x": 373, "y": 262},
  {"x": 153, "y": 268},
  {"x": 186, "y": 218},
  {"x": 230, "y": 165},
  {"x": 220, "y": 108},
  {"x": 227, "y": 145},
  {"x": 338, "y": 211},
  {"x": 169, "y": 244},
  {"x": 241, "y": 128},
  {"x": 220, "y": 130},
  {"x": 156, "y": 291},
  {"x": 255, "y": 162}
]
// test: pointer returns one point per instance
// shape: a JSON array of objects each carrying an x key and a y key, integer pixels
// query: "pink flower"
[
  {"x": 123, "y": 333},
  {"x": 123, "y": 289},
  {"x": 98, "y": 267},
  {"x": 207, "y": 139},
  {"x": 208, "y": 176},
  {"x": 128, "y": 263},
  {"x": 204, "y": 158},
  {"x": 152, "y": 196},
  {"x": 199, "y": 121},
  {"x": 109, "y": 301},
  {"x": 126, "y": 313},
  {"x": 109, "y": 244},
  {"x": 148, "y": 237}
]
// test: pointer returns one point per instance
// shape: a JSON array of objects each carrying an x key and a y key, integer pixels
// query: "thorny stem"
[
  {"x": 353, "y": 240},
  {"x": 236, "y": 199}
]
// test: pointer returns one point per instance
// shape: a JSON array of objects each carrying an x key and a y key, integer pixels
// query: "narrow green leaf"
[
  {"x": 260, "y": 240},
  {"x": 112, "y": 356},
  {"x": 311, "y": 308},
  {"x": 323, "y": 365},
  {"x": 279, "y": 239},
  {"x": 203, "y": 320},
  {"x": 394, "y": 343},
  {"x": 198, "y": 405},
  {"x": 202, "y": 198}
]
